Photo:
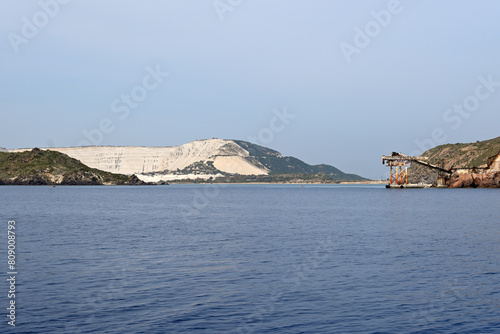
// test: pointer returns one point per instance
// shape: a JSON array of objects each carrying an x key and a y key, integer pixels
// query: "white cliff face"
[
  {"x": 495, "y": 166},
  {"x": 237, "y": 165},
  {"x": 226, "y": 155}
]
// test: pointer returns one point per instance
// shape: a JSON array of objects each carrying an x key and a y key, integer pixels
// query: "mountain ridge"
[{"x": 205, "y": 159}]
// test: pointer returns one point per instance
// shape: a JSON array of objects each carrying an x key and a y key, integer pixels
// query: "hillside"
[
  {"x": 201, "y": 159},
  {"x": 278, "y": 164},
  {"x": 467, "y": 155},
  {"x": 37, "y": 167}
]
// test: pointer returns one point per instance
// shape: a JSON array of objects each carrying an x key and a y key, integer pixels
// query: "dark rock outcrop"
[
  {"x": 135, "y": 181},
  {"x": 81, "y": 178},
  {"x": 30, "y": 180}
]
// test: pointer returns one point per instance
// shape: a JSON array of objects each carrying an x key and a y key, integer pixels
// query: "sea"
[{"x": 250, "y": 258}]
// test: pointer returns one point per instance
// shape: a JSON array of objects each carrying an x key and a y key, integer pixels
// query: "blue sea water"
[{"x": 252, "y": 259}]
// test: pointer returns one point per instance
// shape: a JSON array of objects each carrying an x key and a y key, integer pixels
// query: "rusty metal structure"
[{"x": 398, "y": 164}]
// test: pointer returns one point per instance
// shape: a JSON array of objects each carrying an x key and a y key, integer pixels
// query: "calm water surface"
[{"x": 253, "y": 259}]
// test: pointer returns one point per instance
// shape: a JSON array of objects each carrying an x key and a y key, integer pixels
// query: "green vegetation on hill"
[
  {"x": 281, "y": 169},
  {"x": 272, "y": 178},
  {"x": 278, "y": 178},
  {"x": 257, "y": 150},
  {"x": 278, "y": 164},
  {"x": 467, "y": 155},
  {"x": 44, "y": 167}
]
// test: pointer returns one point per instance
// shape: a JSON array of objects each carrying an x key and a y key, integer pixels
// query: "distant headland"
[
  {"x": 474, "y": 165},
  {"x": 211, "y": 160}
]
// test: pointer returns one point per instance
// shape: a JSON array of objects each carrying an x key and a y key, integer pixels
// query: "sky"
[{"x": 338, "y": 82}]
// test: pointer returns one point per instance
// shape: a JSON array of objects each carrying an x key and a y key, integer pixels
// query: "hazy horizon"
[{"x": 334, "y": 82}]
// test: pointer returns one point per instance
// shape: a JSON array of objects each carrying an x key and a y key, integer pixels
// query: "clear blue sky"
[{"x": 360, "y": 83}]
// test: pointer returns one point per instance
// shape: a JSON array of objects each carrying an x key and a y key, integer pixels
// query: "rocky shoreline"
[
  {"x": 475, "y": 180},
  {"x": 76, "y": 179}
]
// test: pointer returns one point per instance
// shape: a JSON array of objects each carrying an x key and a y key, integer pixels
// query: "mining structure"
[{"x": 398, "y": 164}]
